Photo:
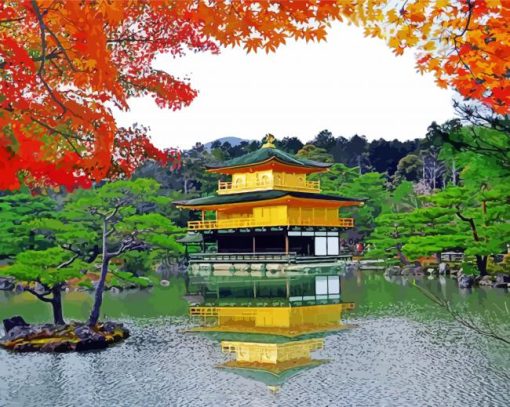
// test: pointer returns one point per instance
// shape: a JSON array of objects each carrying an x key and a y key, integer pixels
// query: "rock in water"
[
  {"x": 502, "y": 278},
  {"x": 485, "y": 281},
  {"x": 90, "y": 344},
  {"x": 6, "y": 284},
  {"x": 465, "y": 281},
  {"x": 10, "y": 323},
  {"x": 61, "y": 338},
  {"x": 393, "y": 271},
  {"x": 443, "y": 268}
]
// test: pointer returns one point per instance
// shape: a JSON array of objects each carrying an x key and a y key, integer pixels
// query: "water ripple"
[{"x": 385, "y": 361}]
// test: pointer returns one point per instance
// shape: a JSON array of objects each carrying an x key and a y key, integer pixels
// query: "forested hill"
[
  {"x": 393, "y": 158},
  {"x": 377, "y": 155}
]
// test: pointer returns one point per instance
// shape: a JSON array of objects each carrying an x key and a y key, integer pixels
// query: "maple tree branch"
[
  {"x": 53, "y": 96},
  {"x": 65, "y": 135},
  {"x": 468, "y": 21},
  {"x": 52, "y": 55},
  {"x": 12, "y": 20},
  {"x": 43, "y": 36},
  {"x": 40, "y": 72},
  {"x": 60, "y": 71},
  {"x": 64, "y": 51}
]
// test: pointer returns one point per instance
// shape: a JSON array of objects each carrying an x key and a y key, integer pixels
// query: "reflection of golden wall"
[
  {"x": 279, "y": 317},
  {"x": 316, "y": 315},
  {"x": 273, "y": 353}
]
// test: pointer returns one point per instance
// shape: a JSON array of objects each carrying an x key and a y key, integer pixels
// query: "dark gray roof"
[
  {"x": 264, "y": 154},
  {"x": 259, "y": 196}
]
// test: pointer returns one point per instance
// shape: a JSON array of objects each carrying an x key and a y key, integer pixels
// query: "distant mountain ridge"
[{"x": 234, "y": 141}]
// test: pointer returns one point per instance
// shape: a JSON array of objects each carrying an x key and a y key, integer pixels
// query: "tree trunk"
[
  {"x": 481, "y": 261},
  {"x": 454, "y": 173},
  {"x": 402, "y": 257},
  {"x": 481, "y": 264},
  {"x": 56, "y": 304},
  {"x": 98, "y": 298}
]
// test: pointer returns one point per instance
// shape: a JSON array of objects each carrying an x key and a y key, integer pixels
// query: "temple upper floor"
[{"x": 248, "y": 181}]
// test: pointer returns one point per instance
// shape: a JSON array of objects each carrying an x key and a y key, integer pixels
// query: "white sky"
[{"x": 349, "y": 84}]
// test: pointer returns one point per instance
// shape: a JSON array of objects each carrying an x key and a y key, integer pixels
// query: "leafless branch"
[{"x": 464, "y": 318}]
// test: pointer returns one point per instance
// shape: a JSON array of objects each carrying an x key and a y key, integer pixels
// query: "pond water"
[{"x": 403, "y": 351}]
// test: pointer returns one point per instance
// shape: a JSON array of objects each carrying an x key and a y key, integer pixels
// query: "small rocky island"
[{"x": 73, "y": 337}]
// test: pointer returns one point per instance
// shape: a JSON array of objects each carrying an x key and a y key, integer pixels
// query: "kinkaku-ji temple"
[{"x": 269, "y": 262}]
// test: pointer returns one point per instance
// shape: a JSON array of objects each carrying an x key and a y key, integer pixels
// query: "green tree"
[
  {"x": 125, "y": 216},
  {"x": 338, "y": 176},
  {"x": 289, "y": 144},
  {"x": 16, "y": 210},
  {"x": 50, "y": 269},
  {"x": 370, "y": 186},
  {"x": 100, "y": 224},
  {"x": 311, "y": 152},
  {"x": 409, "y": 168},
  {"x": 473, "y": 217}
]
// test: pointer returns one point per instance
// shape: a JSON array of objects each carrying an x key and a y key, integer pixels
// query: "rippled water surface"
[{"x": 404, "y": 351}]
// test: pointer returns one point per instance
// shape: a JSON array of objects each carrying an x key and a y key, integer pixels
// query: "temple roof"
[
  {"x": 260, "y": 196},
  {"x": 266, "y": 154}
]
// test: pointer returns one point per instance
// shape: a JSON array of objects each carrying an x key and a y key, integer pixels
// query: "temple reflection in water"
[
  {"x": 270, "y": 262},
  {"x": 271, "y": 325}
]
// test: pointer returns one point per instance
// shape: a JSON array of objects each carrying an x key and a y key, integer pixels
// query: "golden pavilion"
[
  {"x": 271, "y": 285},
  {"x": 270, "y": 206}
]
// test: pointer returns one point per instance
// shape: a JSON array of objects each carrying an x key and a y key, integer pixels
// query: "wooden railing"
[
  {"x": 265, "y": 257},
  {"x": 305, "y": 186},
  {"x": 246, "y": 257},
  {"x": 250, "y": 222},
  {"x": 203, "y": 311}
]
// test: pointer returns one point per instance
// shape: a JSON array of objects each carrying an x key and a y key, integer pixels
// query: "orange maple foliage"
[
  {"x": 62, "y": 63},
  {"x": 465, "y": 43}
]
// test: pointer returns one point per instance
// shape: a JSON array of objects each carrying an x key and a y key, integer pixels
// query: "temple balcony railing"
[
  {"x": 252, "y": 222},
  {"x": 225, "y": 187},
  {"x": 265, "y": 257}
]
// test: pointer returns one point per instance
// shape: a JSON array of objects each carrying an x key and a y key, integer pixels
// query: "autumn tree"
[
  {"x": 63, "y": 64},
  {"x": 465, "y": 44}
]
